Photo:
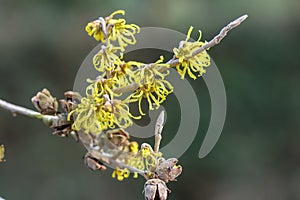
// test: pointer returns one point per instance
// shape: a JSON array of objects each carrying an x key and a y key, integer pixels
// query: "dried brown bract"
[{"x": 155, "y": 189}]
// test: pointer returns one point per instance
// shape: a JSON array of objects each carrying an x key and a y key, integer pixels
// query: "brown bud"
[
  {"x": 155, "y": 189},
  {"x": 62, "y": 126},
  {"x": 93, "y": 163},
  {"x": 167, "y": 170},
  {"x": 45, "y": 103},
  {"x": 118, "y": 137},
  {"x": 72, "y": 96},
  {"x": 72, "y": 99}
]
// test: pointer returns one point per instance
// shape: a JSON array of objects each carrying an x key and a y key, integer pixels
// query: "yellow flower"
[
  {"x": 120, "y": 174},
  {"x": 2, "y": 151},
  {"x": 123, "y": 72},
  {"x": 94, "y": 29},
  {"x": 101, "y": 86},
  {"x": 155, "y": 93},
  {"x": 97, "y": 111},
  {"x": 104, "y": 60},
  {"x": 136, "y": 161},
  {"x": 95, "y": 114},
  {"x": 145, "y": 159},
  {"x": 189, "y": 63},
  {"x": 146, "y": 151},
  {"x": 149, "y": 156},
  {"x": 152, "y": 85},
  {"x": 110, "y": 29},
  {"x": 149, "y": 73},
  {"x": 86, "y": 115},
  {"x": 120, "y": 31},
  {"x": 133, "y": 147},
  {"x": 121, "y": 115}
]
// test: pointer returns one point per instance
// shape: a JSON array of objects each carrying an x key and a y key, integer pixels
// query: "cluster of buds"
[{"x": 46, "y": 104}]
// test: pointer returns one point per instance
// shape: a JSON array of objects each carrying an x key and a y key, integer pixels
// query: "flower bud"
[
  {"x": 167, "y": 170},
  {"x": 93, "y": 163},
  {"x": 45, "y": 103},
  {"x": 155, "y": 189}
]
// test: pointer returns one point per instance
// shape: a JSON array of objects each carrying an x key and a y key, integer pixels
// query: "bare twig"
[
  {"x": 217, "y": 39},
  {"x": 14, "y": 109},
  {"x": 173, "y": 62},
  {"x": 158, "y": 129}
]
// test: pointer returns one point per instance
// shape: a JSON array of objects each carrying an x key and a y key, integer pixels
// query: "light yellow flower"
[
  {"x": 136, "y": 161},
  {"x": 111, "y": 29},
  {"x": 145, "y": 160},
  {"x": 101, "y": 86},
  {"x": 155, "y": 93},
  {"x": 98, "y": 111},
  {"x": 104, "y": 60},
  {"x": 86, "y": 115},
  {"x": 189, "y": 63},
  {"x": 120, "y": 31},
  {"x": 152, "y": 85},
  {"x": 123, "y": 72},
  {"x": 94, "y": 29},
  {"x": 133, "y": 147},
  {"x": 121, "y": 115},
  {"x": 149, "y": 73}
]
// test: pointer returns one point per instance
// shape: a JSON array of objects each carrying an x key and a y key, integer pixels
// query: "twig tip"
[{"x": 243, "y": 17}]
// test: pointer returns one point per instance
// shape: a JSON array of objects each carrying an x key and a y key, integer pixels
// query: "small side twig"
[{"x": 158, "y": 129}]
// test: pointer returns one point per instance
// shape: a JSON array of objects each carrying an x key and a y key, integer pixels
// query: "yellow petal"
[{"x": 122, "y": 12}]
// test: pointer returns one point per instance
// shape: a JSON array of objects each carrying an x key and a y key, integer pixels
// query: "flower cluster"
[
  {"x": 188, "y": 62},
  {"x": 97, "y": 111},
  {"x": 115, "y": 34},
  {"x": 110, "y": 29},
  {"x": 102, "y": 108}
]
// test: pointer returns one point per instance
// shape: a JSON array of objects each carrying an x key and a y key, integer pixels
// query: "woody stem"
[{"x": 173, "y": 62}]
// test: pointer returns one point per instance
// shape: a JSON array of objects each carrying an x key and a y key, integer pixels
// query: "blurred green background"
[{"x": 42, "y": 44}]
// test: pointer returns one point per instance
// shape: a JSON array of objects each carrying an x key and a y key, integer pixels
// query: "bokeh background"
[{"x": 42, "y": 44}]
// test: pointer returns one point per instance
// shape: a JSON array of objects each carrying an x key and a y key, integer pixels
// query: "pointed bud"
[{"x": 155, "y": 189}]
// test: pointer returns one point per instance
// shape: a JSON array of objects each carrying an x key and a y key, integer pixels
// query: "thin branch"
[
  {"x": 158, "y": 129},
  {"x": 173, "y": 62},
  {"x": 217, "y": 39},
  {"x": 14, "y": 109}
]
